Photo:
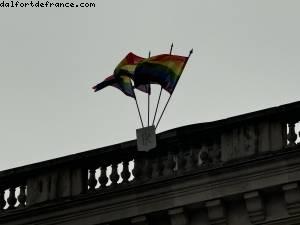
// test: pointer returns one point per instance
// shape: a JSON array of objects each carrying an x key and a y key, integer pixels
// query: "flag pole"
[
  {"x": 157, "y": 106},
  {"x": 191, "y": 51},
  {"x": 160, "y": 91},
  {"x": 138, "y": 108},
  {"x": 148, "y": 90}
]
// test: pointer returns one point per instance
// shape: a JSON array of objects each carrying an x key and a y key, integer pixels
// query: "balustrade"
[
  {"x": 189, "y": 150},
  {"x": 110, "y": 176},
  {"x": 13, "y": 197}
]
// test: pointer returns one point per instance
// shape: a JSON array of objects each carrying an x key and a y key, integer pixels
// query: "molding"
[
  {"x": 292, "y": 220},
  {"x": 132, "y": 201}
]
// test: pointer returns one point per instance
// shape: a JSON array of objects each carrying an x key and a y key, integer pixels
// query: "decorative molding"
[
  {"x": 292, "y": 197},
  {"x": 255, "y": 207},
  {"x": 216, "y": 212},
  {"x": 178, "y": 216}
]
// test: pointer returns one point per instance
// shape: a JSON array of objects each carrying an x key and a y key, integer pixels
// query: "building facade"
[{"x": 238, "y": 171}]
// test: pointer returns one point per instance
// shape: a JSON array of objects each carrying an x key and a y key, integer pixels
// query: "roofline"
[{"x": 273, "y": 112}]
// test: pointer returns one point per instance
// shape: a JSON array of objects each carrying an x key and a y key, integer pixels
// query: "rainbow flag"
[
  {"x": 127, "y": 67},
  {"x": 162, "y": 69},
  {"x": 123, "y": 83}
]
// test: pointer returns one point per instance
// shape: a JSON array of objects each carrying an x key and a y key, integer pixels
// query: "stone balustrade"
[{"x": 181, "y": 151}]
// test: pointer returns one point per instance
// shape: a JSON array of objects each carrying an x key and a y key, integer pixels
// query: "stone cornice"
[{"x": 132, "y": 200}]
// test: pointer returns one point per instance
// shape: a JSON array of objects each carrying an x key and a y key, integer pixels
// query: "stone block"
[
  {"x": 178, "y": 216},
  {"x": 216, "y": 212},
  {"x": 77, "y": 182},
  {"x": 238, "y": 143},
  {"x": 292, "y": 197},
  {"x": 264, "y": 144},
  {"x": 63, "y": 188},
  {"x": 255, "y": 207},
  {"x": 55, "y": 184},
  {"x": 146, "y": 138},
  {"x": 277, "y": 130}
]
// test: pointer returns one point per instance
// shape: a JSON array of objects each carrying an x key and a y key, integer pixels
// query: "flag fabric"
[
  {"x": 162, "y": 69},
  {"x": 123, "y": 83},
  {"x": 128, "y": 64},
  {"x": 127, "y": 67}
]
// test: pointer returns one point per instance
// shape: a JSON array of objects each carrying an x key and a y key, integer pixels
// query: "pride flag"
[
  {"x": 123, "y": 83},
  {"x": 162, "y": 69},
  {"x": 127, "y": 67}
]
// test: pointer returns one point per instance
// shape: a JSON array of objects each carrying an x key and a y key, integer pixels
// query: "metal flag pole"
[
  {"x": 173, "y": 90},
  {"x": 160, "y": 92},
  {"x": 148, "y": 90},
  {"x": 137, "y": 105},
  {"x": 138, "y": 108},
  {"x": 157, "y": 106}
]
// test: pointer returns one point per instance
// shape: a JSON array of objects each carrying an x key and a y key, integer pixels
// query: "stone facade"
[{"x": 239, "y": 171}]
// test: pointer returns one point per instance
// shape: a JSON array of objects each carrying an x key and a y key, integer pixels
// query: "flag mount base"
[{"x": 146, "y": 138}]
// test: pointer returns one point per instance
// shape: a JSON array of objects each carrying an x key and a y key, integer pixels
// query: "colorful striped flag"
[
  {"x": 162, "y": 69},
  {"x": 127, "y": 67},
  {"x": 123, "y": 83}
]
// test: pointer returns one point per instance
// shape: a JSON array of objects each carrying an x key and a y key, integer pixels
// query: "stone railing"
[{"x": 184, "y": 150}]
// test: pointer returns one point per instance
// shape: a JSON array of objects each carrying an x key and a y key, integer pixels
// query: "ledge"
[
  {"x": 195, "y": 187},
  {"x": 179, "y": 133}
]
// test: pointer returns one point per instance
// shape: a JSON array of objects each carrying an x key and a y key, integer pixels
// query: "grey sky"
[{"x": 245, "y": 58}]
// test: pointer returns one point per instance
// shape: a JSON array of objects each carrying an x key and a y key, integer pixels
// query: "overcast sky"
[{"x": 246, "y": 58}]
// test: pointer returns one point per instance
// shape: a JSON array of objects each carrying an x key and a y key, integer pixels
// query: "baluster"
[
  {"x": 138, "y": 168},
  {"x": 204, "y": 156},
  {"x": 2, "y": 200},
  {"x": 92, "y": 182},
  {"x": 126, "y": 173},
  {"x": 292, "y": 136},
  {"x": 169, "y": 165},
  {"x": 114, "y": 176},
  {"x": 12, "y": 200},
  {"x": 155, "y": 168},
  {"x": 158, "y": 167},
  {"x": 189, "y": 161},
  {"x": 103, "y": 179},
  {"x": 193, "y": 159},
  {"x": 22, "y": 196},
  {"x": 148, "y": 169},
  {"x": 181, "y": 162},
  {"x": 215, "y": 153}
]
